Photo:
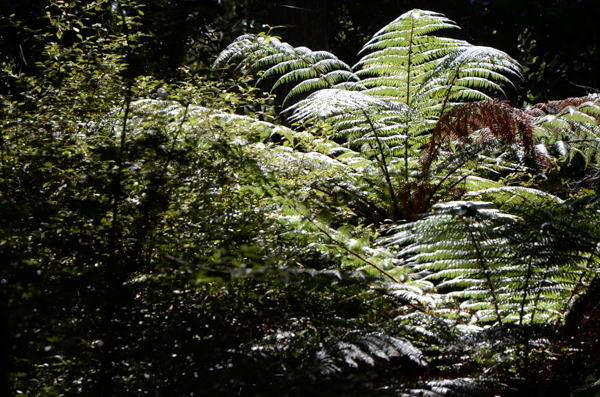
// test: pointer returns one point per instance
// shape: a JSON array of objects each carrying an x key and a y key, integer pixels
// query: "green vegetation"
[{"x": 395, "y": 229}]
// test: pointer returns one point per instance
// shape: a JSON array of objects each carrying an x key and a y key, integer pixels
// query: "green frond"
[
  {"x": 573, "y": 130},
  {"x": 426, "y": 72},
  {"x": 308, "y": 70},
  {"x": 467, "y": 73},
  {"x": 403, "y": 51},
  {"x": 415, "y": 22},
  {"x": 249, "y": 48},
  {"x": 475, "y": 183},
  {"x": 321, "y": 82},
  {"x": 354, "y": 347},
  {"x": 319, "y": 62},
  {"x": 516, "y": 196},
  {"x": 504, "y": 267},
  {"x": 334, "y": 101}
]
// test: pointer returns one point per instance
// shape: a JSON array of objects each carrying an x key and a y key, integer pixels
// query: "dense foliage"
[{"x": 396, "y": 230}]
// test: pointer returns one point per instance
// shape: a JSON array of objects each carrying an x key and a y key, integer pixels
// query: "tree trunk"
[
  {"x": 5, "y": 347},
  {"x": 306, "y": 22}
]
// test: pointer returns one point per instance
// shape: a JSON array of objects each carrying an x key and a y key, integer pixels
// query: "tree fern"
[
  {"x": 387, "y": 110},
  {"x": 407, "y": 63}
]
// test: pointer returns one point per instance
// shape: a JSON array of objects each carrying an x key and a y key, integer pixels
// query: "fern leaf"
[
  {"x": 518, "y": 267},
  {"x": 515, "y": 196},
  {"x": 403, "y": 51},
  {"x": 333, "y": 101},
  {"x": 571, "y": 127}
]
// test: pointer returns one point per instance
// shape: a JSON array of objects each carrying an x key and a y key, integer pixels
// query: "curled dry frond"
[
  {"x": 555, "y": 107},
  {"x": 480, "y": 121}
]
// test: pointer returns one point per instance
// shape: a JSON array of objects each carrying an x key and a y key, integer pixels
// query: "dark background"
[{"x": 556, "y": 41}]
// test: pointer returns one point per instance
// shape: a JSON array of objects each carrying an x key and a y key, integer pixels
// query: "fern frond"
[
  {"x": 332, "y": 102},
  {"x": 249, "y": 48},
  {"x": 467, "y": 73},
  {"x": 569, "y": 127},
  {"x": 480, "y": 121},
  {"x": 404, "y": 52},
  {"x": 515, "y": 196},
  {"x": 356, "y": 347},
  {"x": 310, "y": 69},
  {"x": 316, "y": 63},
  {"x": 504, "y": 267},
  {"x": 324, "y": 81}
]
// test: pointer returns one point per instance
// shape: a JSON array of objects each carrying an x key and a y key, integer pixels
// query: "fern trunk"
[{"x": 306, "y": 22}]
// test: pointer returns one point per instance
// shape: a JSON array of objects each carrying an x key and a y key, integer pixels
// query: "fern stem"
[
  {"x": 448, "y": 175},
  {"x": 486, "y": 271},
  {"x": 525, "y": 291},
  {"x": 383, "y": 164},
  {"x": 430, "y": 202},
  {"x": 405, "y": 301},
  {"x": 4, "y": 167},
  {"x": 582, "y": 277},
  {"x": 172, "y": 148},
  {"x": 324, "y": 76},
  {"x": 447, "y": 98},
  {"x": 409, "y": 62},
  {"x": 408, "y": 71},
  {"x": 365, "y": 201},
  {"x": 112, "y": 271},
  {"x": 522, "y": 316}
]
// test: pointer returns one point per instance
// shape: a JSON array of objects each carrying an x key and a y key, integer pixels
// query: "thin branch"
[{"x": 351, "y": 252}]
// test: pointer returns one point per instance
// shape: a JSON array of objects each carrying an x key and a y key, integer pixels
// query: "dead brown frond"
[{"x": 482, "y": 121}]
